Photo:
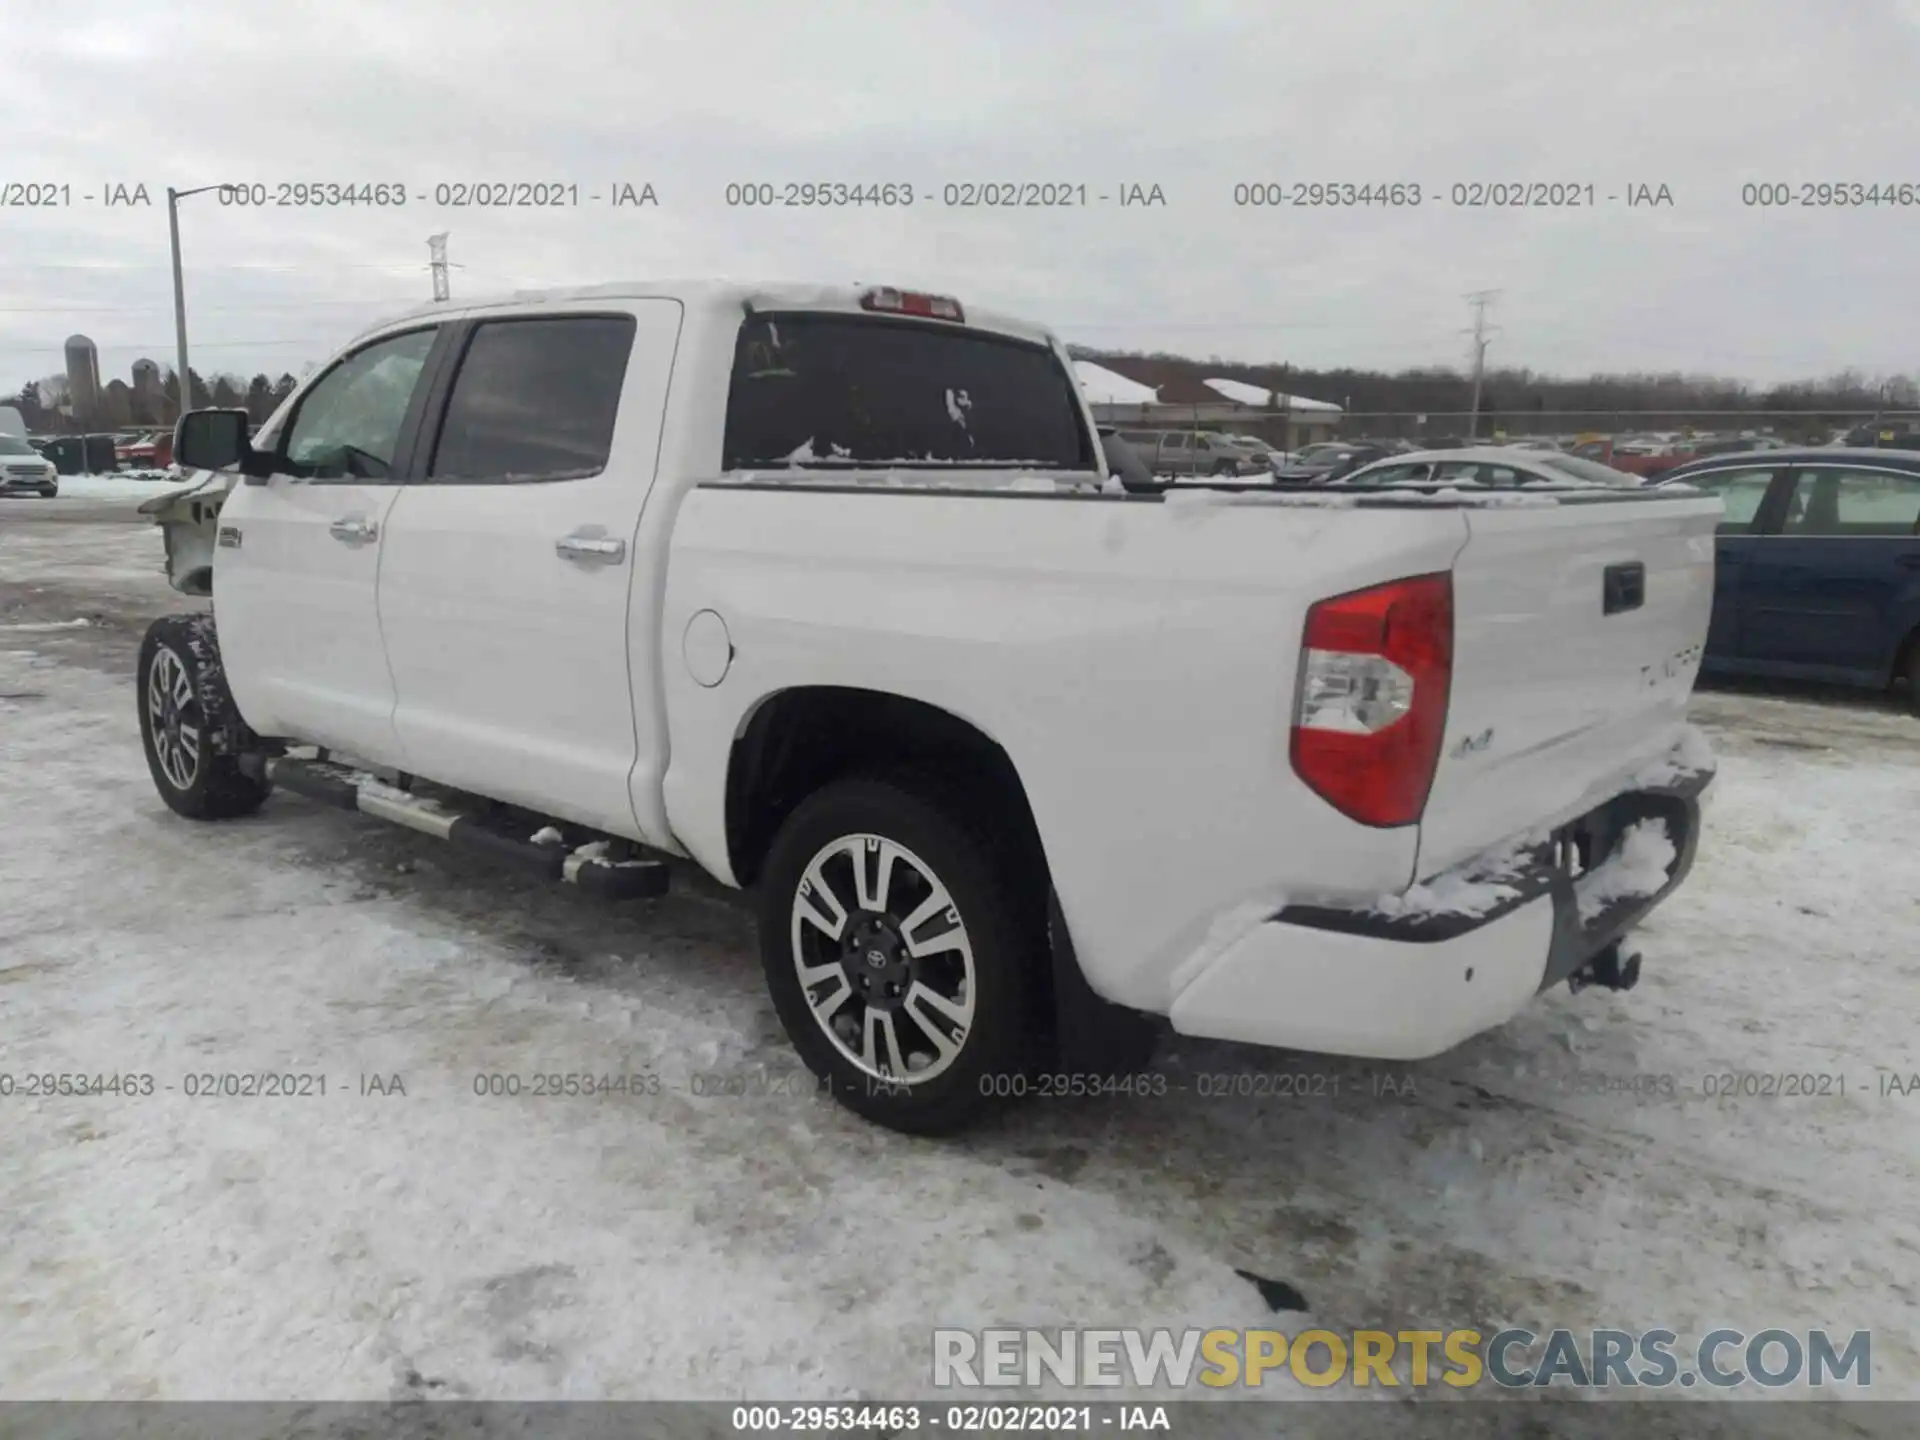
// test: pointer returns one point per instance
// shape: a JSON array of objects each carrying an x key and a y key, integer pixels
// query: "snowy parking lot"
[{"x": 718, "y": 1230}]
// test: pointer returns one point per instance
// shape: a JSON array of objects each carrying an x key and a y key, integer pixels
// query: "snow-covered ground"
[
  {"x": 121, "y": 485},
  {"x": 447, "y": 1243}
]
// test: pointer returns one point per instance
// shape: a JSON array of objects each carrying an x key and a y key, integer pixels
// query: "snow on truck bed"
[{"x": 1187, "y": 494}]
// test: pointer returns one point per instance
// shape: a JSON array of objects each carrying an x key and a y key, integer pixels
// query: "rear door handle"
[
  {"x": 353, "y": 530},
  {"x": 603, "y": 549}
]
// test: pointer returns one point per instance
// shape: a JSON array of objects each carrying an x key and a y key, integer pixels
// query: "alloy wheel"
[
  {"x": 883, "y": 958},
  {"x": 173, "y": 719}
]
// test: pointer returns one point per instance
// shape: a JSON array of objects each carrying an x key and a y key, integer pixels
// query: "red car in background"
[
  {"x": 1635, "y": 458},
  {"x": 152, "y": 451}
]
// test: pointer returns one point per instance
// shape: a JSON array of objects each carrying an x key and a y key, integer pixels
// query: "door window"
[
  {"x": 535, "y": 400},
  {"x": 348, "y": 425},
  {"x": 1740, "y": 492},
  {"x": 1860, "y": 503}
]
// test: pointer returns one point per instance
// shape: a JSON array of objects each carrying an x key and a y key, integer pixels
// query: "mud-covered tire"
[
  {"x": 187, "y": 721},
  {"x": 1002, "y": 938}
]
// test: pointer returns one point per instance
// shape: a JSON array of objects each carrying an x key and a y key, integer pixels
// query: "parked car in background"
[
  {"x": 1885, "y": 434},
  {"x": 1818, "y": 573},
  {"x": 1734, "y": 445},
  {"x": 1317, "y": 464},
  {"x": 1548, "y": 445},
  {"x": 139, "y": 450},
  {"x": 1496, "y": 467},
  {"x": 1195, "y": 452},
  {"x": 1635, "y": 457},
  {"x": 25, "y": 471}
]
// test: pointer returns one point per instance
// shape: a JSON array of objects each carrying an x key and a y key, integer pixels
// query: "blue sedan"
[{"x": 1818, "y": 574}]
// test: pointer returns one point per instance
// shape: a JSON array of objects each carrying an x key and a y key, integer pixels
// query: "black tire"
[
  {"x": 1003, "y": 929},
  {"x": 211, "y": 786},
  {"x": 1224, "y": 467}
]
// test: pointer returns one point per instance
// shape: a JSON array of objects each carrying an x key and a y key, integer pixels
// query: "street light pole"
[
  {"x": 174, "y": 197},
  {"x": 179, "y": 305}
]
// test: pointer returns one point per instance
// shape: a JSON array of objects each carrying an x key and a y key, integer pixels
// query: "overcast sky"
[{"x": 1195, "y": 97}]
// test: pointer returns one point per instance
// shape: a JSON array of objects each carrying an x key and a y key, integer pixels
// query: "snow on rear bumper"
[{"x": 1404, "y": 986}]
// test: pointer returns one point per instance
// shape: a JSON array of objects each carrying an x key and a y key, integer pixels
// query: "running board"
[{"x": 347, "y": 789}]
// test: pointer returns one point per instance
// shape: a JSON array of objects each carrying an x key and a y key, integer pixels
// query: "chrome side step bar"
[{"x": 348, "y": 789}]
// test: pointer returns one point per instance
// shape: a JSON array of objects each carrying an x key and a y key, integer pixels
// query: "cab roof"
[{"x": 715, "y": 295}]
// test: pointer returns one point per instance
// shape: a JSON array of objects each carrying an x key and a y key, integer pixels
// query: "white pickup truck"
[{"x": 838, "y": 594}]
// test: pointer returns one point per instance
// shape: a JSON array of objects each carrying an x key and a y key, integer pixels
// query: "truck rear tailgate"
[{"x": 1578, "y": 629}]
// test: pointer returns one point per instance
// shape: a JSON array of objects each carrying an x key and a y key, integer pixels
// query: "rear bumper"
[{"x": 1357, "y": 982}]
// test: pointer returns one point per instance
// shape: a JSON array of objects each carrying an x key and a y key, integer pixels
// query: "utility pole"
[
  {"x": 437, "y": 254},
  {"x": 1480, "y": 299}
]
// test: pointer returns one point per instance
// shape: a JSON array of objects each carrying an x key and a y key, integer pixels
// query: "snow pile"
[
  {"x": 547, "y": 835},
  {"x": 1473, "y": 887},
  {"x": 1692, "y": 753},
  {"x": 1637, "y": 869},
  {"x": 76, "y": 624}
]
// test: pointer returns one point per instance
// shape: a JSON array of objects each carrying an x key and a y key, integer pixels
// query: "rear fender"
[{"x": 188, "y": 519}]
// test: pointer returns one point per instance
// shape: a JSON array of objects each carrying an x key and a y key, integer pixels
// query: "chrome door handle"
[
  {"x": 590, "y": 547},
  {"x": 353, "y": 530}
]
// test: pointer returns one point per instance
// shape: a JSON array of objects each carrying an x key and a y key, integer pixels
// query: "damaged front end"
[{"x": 189, "y": 521}]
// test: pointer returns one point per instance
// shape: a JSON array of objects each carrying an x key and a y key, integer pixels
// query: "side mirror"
[{"x": 218, "y": 440}]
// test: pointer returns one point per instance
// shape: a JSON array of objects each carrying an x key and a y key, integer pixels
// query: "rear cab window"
[{"x": 826, "y": 391}]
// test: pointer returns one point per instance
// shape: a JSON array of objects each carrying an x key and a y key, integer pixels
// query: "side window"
[
  {"x": 348, "y": 425},
  {"x": 1462, "y": 472},
  {"x": 535, "y": 400},
  {"x": 1858, "y": 503},
  {"x": 1176, "y": 440},
  {"x": 826, "y": 390},
  {"x": 1395, "y": 475},
  {"x": 1740, "y": 491}
]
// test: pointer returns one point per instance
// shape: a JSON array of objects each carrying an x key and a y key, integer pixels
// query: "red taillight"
[
  {"x": 1374, "y": 673},
  {"x": 912, "y": 302}
]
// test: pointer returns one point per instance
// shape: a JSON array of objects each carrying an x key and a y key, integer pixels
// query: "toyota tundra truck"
[{"x": 1022, "y": 756}]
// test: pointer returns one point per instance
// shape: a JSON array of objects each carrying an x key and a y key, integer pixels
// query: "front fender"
[{"x": 188, "y": 520}]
